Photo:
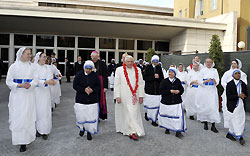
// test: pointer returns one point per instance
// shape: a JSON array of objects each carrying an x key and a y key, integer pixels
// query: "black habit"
[
  {"x": 152, "y": 84},
  {"x": 232, "y": 94},
  {"x": 169, "y": 98}
]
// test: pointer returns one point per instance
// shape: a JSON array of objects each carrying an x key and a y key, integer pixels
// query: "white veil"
[
  {"x": 19, "y": 53},
  {"x": 239, "y": 64},
  {"x": 37, "y": 57}
]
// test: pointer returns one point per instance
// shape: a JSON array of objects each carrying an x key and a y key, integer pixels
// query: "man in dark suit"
[
  {"x": 236, "y": 92},
  {"x": 67, "y": 69},
  {"x": 78, "y": 65},
  {"x": 141, "y": 65}
]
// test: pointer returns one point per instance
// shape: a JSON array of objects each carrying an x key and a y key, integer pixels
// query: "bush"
[
  {"x": 149, "y": 54},
  {"x": 216, "y": 53}
]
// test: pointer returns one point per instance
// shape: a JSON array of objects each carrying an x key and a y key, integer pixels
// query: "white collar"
[
  {"x": 171, "y": 79},
  {"x": 236, "y": 81}
]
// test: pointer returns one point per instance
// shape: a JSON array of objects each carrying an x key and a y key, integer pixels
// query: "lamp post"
[{"x": 241, "y": 45}]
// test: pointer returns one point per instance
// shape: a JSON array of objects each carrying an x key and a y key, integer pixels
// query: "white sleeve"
[
  {"x": 224, "y": 80},
  {"x": 10, "y": 77},
  {"x": 244, "y": 77},
  {"x": 35, "y": 78},
  {"x": 117, "y": 84},
  {"x": 216, "y": 77}
]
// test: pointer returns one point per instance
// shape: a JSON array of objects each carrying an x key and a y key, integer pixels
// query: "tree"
[
  {"x": 216, "y": 54},
  {"x": 149, "y": 54}
]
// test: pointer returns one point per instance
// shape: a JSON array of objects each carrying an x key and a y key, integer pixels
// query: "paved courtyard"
[{"x": 65, "y": 141}]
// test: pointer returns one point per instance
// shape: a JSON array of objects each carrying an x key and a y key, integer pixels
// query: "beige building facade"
[{"x": 76, "y": 27}]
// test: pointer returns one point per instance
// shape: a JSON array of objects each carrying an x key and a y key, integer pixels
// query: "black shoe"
[
  {"x": 154, "y": 124},
  {"x": 22, "y": 148},
  {"x": 112, "y": 89},
  {"x": 81, "y": 133},
  {"x": 191, "y": 117},
  {"x": 167, "y": 131},
  {"x": 229, "y": 136},
  {"x": 205, "y": 126},
  {"x": 45, "y": 137},
  {"x": 38, "y": 134},
  {"x": 52, "y": 109},
  {"x": 213, "y": 128},
  {"x": 179, "y": 135},
  {"x": 89, "y": 137},
  {"x": 146, "y": 117},
  {"x": 55, "y": 105},
  {"x": 242, "y": 141}
]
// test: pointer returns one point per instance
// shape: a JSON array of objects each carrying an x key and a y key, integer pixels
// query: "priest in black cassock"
[{"x": 102, "y": 71}]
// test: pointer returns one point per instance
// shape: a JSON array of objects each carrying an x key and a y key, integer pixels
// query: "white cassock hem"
[{"x": 87, "y": 117}]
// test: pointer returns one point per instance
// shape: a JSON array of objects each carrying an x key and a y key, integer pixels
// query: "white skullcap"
[{"x": 127, "y": 57}]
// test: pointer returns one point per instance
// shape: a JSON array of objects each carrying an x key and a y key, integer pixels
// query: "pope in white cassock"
[
  {"x": 43, "y": 96},
  {"x": 22, "y": 79},
  {"x": 207, "y": 96},
  {"x": 129, "y": 93}
]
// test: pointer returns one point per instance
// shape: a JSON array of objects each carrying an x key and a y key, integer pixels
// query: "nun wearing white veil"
[
  {"x": 22, "y": 80},
  {"x": 56, "y": 89},
  {"x": 43, "y": 96},
  {"x": 182, "y": 75},
  {"x": 227, "y": 77},
  {"x": 207, "y": 96}
]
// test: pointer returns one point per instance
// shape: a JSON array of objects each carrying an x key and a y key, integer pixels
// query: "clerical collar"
[{"x": 80, "y": 62}]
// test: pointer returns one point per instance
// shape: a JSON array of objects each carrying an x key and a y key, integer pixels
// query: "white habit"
[
  {"x": 191, "y": 93},
  {"x": 22, "y": 110},
  {"x": 183, "y": 77},
  {"x": 236, "y": 120},
  {"x": 207, "y": 97},
  {"x": 43, "y": 100},
  {"x": 227, "y": 77},
  {"x": 56, "y": 89}
]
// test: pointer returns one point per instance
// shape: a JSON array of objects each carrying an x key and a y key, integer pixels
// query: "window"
[
  {"x": 144, "y": 45},
  {"x": 161, "y": 46},
  {"x": 106, "y": 43},
  {"x": 86, "y": 42},
  {"x": 4, "y": 54},
  {"x": 140, "y": 56},
  {"x": 63, "y": 41},
  {"x": 4, "y": 39},
  {"x": 126, "y": 44},
  {"x": 111, "y": 55},
  {"x": 180, "y": 13},
  {"x": 23, "y": 40},
  {"x": 213, "y": 4},
  {"x": 85, "y": 54},
  {"x": 200, "y": 4},
  {"x": 45, "y": 40}
]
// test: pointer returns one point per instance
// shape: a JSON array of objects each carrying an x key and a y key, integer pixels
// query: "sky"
[{"x": 160, "y": 3}]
